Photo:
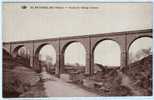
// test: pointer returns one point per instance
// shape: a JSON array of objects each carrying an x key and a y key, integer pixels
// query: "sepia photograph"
[{"x": 68, "y": 49}]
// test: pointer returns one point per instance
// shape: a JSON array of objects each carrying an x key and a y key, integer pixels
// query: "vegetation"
[
  {"x": 19, "y": 80},
  {"x": 132, "y": 80},
  {"x": 141, "y": 75}
]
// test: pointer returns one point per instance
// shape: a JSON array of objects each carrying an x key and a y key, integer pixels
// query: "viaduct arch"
[
  {"x": 70, "y": 44},
  {"x": 107, "y": 42},
  {"x": 36, "y": 54},
  {"x": 124, "y": 39}
]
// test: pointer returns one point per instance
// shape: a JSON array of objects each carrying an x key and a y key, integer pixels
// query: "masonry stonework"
[{"x": 124, "y": 39}]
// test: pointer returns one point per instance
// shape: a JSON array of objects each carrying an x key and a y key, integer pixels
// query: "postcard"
[{"x": 80, "y": 49}]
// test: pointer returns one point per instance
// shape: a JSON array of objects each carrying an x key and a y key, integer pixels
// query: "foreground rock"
[
  {"x": 37, "y": 90},
  {"x": 20, "y": 80},
  {"x": 140, "y": 74},
  {"x": 132, "y": 80}
]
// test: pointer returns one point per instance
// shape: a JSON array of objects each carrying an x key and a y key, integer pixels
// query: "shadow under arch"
[
  {"x": 6, "y": 54},
  {"x": 15, "y": 51},
  {"x": 69, "y": 44},
  {"x": 39, "y": 48},
  {"x": 137, "y": 39},
  {"x": 130, "y": 46},
  {"x": 66, "y": 45},
  {"x": 21, "y": 59},
  {"x": 118, "y": 47},
  {"x": 97, "y": 43},
  {"x": 37, "y": 54}
]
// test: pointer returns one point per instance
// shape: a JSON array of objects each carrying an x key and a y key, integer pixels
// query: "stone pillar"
[
  {"x": 31, "y": 61},
  {"x": 124, "y": 52},
  {"x": 36, "y": 64},
  {"x": 123, "y": 58},
  {"x": 61, "y": 63},
  {"x": 88, "y": 64},
  {"x": 89, "y": 68},
  {"x": 57, "y": 67},
  {"x": 31, "y": 55},
  {"x": 92, "y": 63}
]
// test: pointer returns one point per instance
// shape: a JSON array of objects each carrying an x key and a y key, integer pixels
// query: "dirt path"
[{"x": 59, "y": 88}]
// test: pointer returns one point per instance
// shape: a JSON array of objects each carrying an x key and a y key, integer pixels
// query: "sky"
[
  {"x": 138, "y": 45},
  {"x": 108, "y": 53},
  {"x": 30, "y": 24},
  {"x": 39, "y": 21}
]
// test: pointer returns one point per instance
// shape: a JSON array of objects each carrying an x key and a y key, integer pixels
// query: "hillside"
[
  {"x": 19, "y": 80},
  {"x": 140, "y": 73},
  {"x": 132, "y": 80}
]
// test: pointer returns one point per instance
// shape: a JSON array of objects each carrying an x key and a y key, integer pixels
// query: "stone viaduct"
[{"x": 124, "y": 39}]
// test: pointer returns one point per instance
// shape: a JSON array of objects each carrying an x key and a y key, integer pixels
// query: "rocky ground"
[
  {"x": 22, "y": 82},
  {"x": 132, "y": 80},
  {"x": 140, "y": 73}
]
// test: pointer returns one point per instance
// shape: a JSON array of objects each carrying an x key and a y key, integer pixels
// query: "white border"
[{"x": 71, "y": 98}]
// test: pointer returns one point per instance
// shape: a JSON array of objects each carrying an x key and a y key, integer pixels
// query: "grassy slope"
[
  {"x": 21, "y": 81},
  {"x": 140, "y": 74}
]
